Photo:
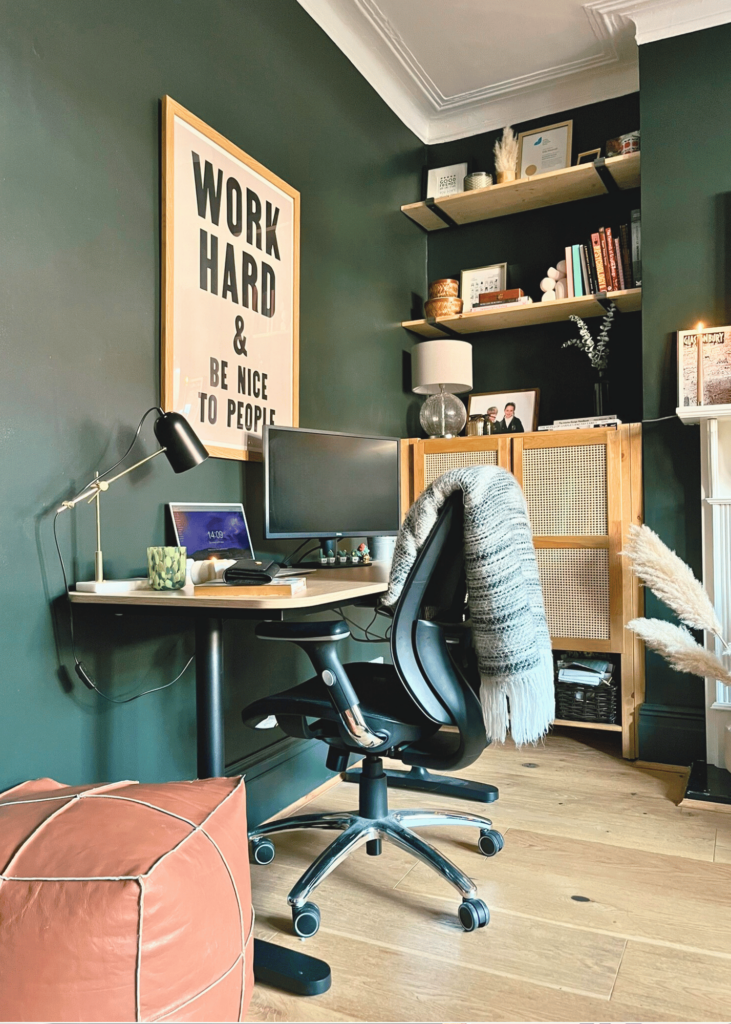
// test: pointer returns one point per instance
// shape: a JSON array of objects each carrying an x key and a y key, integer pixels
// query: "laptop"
[{"x": 215, "y": 530}]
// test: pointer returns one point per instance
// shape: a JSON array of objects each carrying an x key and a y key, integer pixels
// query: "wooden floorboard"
[{"x": 649, "y": 939}]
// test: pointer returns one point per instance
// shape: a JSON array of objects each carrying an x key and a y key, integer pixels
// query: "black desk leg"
[
  {"x": 273, "y": 965},
  {"x": 209, "y": 696}
]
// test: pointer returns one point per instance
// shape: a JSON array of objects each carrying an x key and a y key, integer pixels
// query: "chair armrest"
[{"x": 298, "y": 631}]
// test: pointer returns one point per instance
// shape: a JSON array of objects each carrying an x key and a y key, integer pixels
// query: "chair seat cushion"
[{"x": 380, "y": 692}]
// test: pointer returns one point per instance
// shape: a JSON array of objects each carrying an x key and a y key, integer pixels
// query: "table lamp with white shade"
[{"x": 442, "y": 369}]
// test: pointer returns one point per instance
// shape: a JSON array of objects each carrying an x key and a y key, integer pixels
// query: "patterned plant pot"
[{"x": 166, "y": 568}]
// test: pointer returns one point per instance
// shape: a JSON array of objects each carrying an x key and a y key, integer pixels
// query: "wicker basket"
[{"x": 581, "y": 703}]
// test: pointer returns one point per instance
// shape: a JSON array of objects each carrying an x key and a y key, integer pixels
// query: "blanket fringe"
[{"x": 524, "y": 704}]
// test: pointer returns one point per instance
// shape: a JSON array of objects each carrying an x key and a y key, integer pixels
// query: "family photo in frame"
[{"x": 506, "y": 412}]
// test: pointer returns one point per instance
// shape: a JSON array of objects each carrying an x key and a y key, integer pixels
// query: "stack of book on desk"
[
  {"x": 289, "y": 586},
  {"x": 583, "y": 423}
]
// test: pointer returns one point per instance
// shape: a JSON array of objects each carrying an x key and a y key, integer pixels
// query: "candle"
[{"x": 699, "y": 375}]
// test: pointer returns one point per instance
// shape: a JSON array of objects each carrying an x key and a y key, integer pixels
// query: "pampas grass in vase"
[
  {"x": 670, "y": 579},
  {"x": 506, "y": 156}
]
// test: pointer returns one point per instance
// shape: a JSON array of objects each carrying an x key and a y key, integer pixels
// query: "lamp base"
[{"x": 112, "y": 586}]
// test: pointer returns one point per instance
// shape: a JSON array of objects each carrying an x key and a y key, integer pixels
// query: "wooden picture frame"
[
  {"x": 589, "y": 156},
  {"x": 492, "y": 278},
  {"x": 230, "y": 269},
  {"x": 545, "y": 149},
  {"x": 526, "y": 402}
]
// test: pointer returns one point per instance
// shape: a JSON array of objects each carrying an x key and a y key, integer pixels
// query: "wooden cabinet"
[{"x": 583, "y": 490}]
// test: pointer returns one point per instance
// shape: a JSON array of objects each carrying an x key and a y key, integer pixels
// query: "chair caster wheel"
[
  {"x": 306, "y": 920},
  {"x": 473, "y": 914},
  {"x": 261, "y": 850},
  {"x": 490, "y": 842}
]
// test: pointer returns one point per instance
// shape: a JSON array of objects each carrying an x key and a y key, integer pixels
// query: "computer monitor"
[{"x": 323, "y": 484}]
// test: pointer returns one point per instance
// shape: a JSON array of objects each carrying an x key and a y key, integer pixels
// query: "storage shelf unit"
[
  {"x": 550, "y": 189},
  {"x": 502, "y": 317},
  {"x": 583, "y": 491}
]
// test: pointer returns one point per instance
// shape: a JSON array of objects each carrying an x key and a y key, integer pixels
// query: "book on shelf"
[
  {"x": 522, "y": 300},
  {"x": 568, "y": 255},
  {"x": 503, "y": 296},
  {"x": 636, "y": 243},
  {"x": 588, "y": 423},
  {"x": 588, "y": 671},
  {"x": 609, "y": 261}
]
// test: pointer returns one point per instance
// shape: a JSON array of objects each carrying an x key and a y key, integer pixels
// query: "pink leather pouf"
[{"x": 125, "y": 902}]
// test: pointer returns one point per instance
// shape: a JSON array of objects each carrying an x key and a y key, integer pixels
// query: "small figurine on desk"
[
  {"x": 354, "y": 557},
  {"x": 343, "y": 557},
  {"x": 365, "y": 555},
  {"x": 330, "y": 557},
  {"x": 323, "y": 557}
]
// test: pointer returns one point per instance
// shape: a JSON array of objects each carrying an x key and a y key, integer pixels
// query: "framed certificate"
[
  {"x": 545, "y": 149},
  {"x": 482, "y": 279}
]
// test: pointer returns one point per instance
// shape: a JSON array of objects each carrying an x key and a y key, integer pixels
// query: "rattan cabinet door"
[
  {"x": 436, "y": 456},
  {"x": 573, "y": 489}
]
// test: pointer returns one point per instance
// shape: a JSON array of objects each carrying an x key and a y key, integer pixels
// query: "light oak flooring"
[{"x": 648, "y": 939}]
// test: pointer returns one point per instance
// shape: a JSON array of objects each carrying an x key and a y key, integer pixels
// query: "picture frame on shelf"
[
  {"x": 715, "y": 367},
  {"x": 445, "y": 181},
  {"x": 524, "y": 400},
  {"x": 589, "y": 156},
  {"x": 545, "y": 149},
  {"x": 492, "y": 278}
]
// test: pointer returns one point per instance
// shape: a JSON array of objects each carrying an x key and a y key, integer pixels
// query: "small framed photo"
[
  {"x": 482, "y": 279},
  {"x": 445, "y": 181},
  {"x": 507, "y": 412},
  {"x": 589, "y": 156},
  {"x": 545, "y": 149},
  {"x": 713, "y": 368}
]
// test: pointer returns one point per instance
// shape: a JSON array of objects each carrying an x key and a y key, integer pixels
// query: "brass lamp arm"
[{"x": 97, "y": 486}]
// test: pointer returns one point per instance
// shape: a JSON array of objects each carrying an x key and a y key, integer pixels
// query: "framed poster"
[
  {"x": 545, "y": 149},
  {"x": 230, "y": 288},
  {"x": 482, "y": 279},
  {"x": 704, "y": 376}
]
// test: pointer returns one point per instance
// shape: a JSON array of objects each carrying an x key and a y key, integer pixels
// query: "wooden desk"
[{"x": 326, "y": 588}]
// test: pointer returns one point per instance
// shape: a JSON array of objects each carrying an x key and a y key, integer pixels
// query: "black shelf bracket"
[
  {"x": 600, "y": 166},
  {"x": 442, "y": 214},
  {"x": 604, "y": 302},
  {"x": 433, "y": 322}
]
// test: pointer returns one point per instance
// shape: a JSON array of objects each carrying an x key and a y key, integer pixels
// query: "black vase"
[{"x": 601, "y": 397}]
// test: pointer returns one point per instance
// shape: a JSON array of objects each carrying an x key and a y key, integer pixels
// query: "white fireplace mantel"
[{"x": 715, "y": 423}]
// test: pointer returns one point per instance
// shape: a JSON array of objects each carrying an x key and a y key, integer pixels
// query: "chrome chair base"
[{"x": 396, "y": 828}]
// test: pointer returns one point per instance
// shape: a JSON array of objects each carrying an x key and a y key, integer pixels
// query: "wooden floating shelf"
[
  {"x": 502, "y": 317},
  {"x": 550, "y": 189}
]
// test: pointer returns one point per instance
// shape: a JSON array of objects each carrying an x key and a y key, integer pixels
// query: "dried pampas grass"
[
  {"x": 679, "y": 648},
  {"x": 506, "y": 152},
  {"x": 671, "y": 580}
]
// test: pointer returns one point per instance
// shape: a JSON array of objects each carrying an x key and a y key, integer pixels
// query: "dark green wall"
[
  {"x": 685, "y": 87},
  {"x": 80, "y": 83},
  {"x": 531, "y": 242}
]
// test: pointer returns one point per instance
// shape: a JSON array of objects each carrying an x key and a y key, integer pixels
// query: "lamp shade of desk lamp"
[
  {"x": 442, "y": 369},
  {"x": 183, "y": 450}
]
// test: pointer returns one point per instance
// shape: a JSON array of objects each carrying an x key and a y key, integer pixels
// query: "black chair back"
[{"x": 433, "y": 597}]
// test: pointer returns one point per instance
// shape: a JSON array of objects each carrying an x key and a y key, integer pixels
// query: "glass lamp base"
[{"x": 443, "y": 415}]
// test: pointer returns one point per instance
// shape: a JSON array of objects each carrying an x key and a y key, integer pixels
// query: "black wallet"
[{"x": 250, "y": 572}]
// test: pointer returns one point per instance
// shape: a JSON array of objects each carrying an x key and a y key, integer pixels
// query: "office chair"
[{"x": 397, "y": 711}]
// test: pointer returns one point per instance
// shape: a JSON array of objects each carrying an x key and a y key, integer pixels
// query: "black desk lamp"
[{"x": 183, "y": 449}]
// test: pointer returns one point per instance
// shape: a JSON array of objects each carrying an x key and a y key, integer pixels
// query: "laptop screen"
[{"x": 208, "y": 528}]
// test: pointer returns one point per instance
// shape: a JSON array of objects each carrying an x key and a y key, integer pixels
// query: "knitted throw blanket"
[{"x": 509, "y": 630}]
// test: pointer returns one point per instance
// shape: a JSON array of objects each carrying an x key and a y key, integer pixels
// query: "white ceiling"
[{"x": 453, "y": 68}]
